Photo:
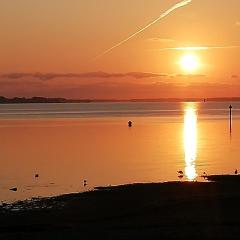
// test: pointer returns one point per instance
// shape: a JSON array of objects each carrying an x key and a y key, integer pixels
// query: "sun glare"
[
  {"x": 190, "y": 142},
  {"x": 189, "y": 63}
]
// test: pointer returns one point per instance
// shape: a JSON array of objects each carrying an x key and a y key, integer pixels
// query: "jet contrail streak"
[{"x": 163, "y": 15}]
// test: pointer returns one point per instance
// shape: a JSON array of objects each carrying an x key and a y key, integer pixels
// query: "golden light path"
[{"x": 190, "y": 142}]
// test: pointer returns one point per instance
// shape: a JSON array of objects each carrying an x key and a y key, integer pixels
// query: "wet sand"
[{"x": 172, "y": 210}]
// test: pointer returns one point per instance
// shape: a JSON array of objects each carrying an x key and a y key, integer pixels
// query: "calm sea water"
[{"x": 67, "y": 143}]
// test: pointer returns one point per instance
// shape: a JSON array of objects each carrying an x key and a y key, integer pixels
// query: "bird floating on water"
[
  {"x": 84, "y": 183},
  {"x": 36, "y": 175},
  {"x": 181, "y": 174},
  {"x": 204, "y": 175},
  {"x": 13, "y": 189},
  {"x": 236, "y": 172}
]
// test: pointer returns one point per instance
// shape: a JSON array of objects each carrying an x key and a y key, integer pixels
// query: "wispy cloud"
[
  {"x": 50, "y": 76},
  {"x": 163, "y": 15},
  {"x": 172, "y": 86},
  {"x": 190, "y": 75},
  {"x": 196, "y": 48},
  {"x": 162, "y": 40}
]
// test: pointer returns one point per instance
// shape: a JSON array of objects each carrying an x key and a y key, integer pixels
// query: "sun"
[{"x": 189, "y": 63}]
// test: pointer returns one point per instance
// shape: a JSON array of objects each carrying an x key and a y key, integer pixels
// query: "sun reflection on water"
[{"x": 190, "y": 142}]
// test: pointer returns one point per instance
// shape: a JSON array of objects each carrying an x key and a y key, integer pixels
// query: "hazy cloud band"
[{"x": 50, "y": 76}]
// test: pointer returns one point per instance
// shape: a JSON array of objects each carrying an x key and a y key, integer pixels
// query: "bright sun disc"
[{"x": 189, "y": 63}]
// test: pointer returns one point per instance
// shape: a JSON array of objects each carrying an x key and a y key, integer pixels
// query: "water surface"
[{"x": 67, "y": 143}]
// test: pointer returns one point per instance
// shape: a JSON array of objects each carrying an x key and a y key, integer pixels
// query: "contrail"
[{"x": 163, "y": 15}]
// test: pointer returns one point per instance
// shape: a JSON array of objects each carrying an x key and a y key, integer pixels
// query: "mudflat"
[{"x": 171, "y": 210}]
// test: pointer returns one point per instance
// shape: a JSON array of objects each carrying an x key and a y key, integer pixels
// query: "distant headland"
[{"x": 19, "y": 100}]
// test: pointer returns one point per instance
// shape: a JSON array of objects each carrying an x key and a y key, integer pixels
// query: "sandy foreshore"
[{"x": 172, "y": 210}]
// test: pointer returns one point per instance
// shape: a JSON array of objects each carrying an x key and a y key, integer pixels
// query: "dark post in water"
[{"x": 230, "y": 117}]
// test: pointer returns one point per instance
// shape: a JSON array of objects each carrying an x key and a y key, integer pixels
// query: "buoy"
[
  {"x": 13, "y": 189},
  {"x": 129, "y": 123}
]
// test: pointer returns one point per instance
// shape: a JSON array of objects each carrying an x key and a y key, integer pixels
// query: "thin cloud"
[
  {"x": 111, "y": 89},
  {"x": 162, "y": 40},
  {"x": 190, "y": 75},
  {"x": 92, "y": 75},
  {"x": 196, "y": 48},
  {"x": 50, "y": 76}
]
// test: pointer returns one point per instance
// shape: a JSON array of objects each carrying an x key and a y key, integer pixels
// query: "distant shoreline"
[{"x": 21, "y": 100}]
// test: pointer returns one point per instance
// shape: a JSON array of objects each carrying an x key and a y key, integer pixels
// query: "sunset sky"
[{"x": 49, "y": 48}]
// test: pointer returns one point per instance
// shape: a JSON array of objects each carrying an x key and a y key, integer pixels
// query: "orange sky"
[{"x": 62, "y": 37}]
